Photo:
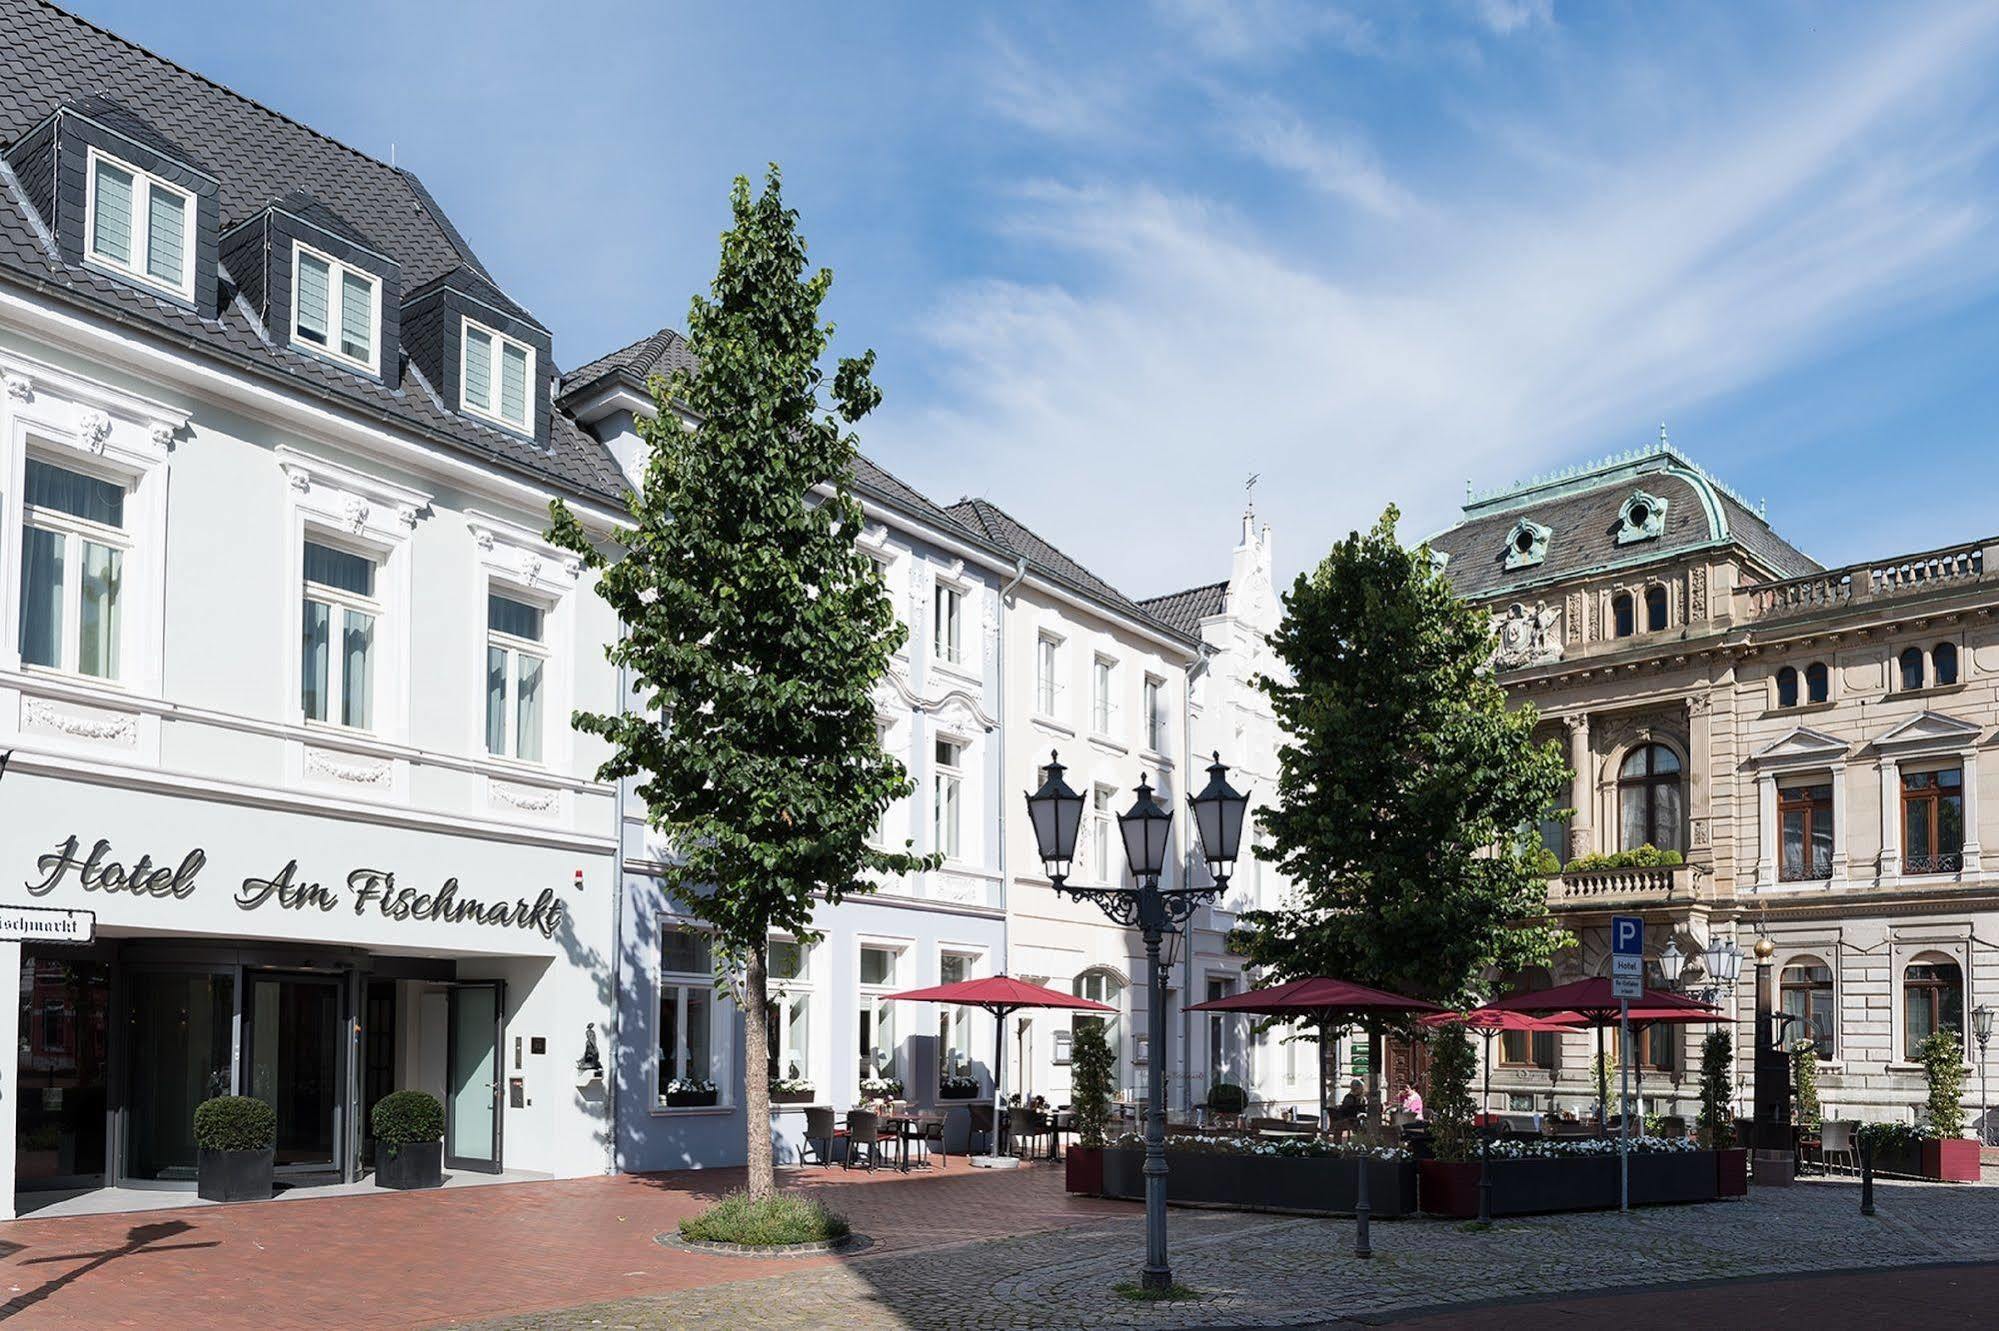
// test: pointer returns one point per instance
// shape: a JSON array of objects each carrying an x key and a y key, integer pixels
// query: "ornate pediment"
[
  {"x": 1528, "y": 637},
  {"x": 1931, "y": 730},
  {"x": 1803, "y": 745}
]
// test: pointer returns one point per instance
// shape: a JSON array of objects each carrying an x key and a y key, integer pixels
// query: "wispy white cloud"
[
  {"x": 1335, "y": 160},
  {"x": 1509, "y": 16},
  {"x": 1622, "y": 283},
  {"x": 1257, "y": 29}
]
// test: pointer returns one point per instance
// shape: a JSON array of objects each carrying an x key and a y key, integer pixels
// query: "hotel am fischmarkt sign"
[
  {"x": 98, "y": 869},
  {"x": 44, "y": 924}
]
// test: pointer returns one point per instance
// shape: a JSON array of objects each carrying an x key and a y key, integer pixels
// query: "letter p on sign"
[{"x": 1627, "y": 936}]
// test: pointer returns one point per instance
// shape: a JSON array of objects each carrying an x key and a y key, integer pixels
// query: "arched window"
[
  {"x": 1650, "y": 798},
  {"x": 1818, "y": 682},
  {"x": 1806, "y": 984},
  {"x": 1655, "y": 609},
  {"x": 1105, "y": 987},
  {"x": 1623, "y": 615},
  {"x": 1912, "y": 668},
  {"x": 1787, "y": 687},
  {"x": 1527, "y": 1049},
  {"x": 1932, "y": 998},
  {"x": 1943, "y": 663}
]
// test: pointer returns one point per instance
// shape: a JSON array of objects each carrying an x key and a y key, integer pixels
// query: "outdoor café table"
[{"x": 906, "y": 1128}]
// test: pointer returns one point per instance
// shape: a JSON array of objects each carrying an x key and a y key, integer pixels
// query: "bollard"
[
  {"x": 1485, "y": 1177},
  {"x": 1866, "y": 1175},
  {"x": 1361, "y": 1210}
]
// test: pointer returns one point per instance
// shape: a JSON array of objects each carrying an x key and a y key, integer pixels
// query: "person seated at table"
[
  {"x": 1354, "y": 1103},
  {"x": 1411, "y": 1103}
]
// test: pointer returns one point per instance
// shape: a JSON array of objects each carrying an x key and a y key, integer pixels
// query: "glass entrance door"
[
  {"x": 292, "y": 1063},
  {"x": 477, "y": 1011},
  {"x": 60, "y": 1079},
  {"x": 178, "y": 1042}
]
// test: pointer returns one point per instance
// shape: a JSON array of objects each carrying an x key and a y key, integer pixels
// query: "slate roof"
[
  {"x": 1185, "y": 610},
  {"x": 656, "y": 353},
  {"x": 302, "y": 205},
  {"x": 49, "y": 57},
  {"x": 1002, "y": 529},
  {"x": 1582, "y": 509}
]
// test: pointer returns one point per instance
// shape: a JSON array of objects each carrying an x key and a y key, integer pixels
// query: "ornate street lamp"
[
  {"x": 1981, "y": 1028},
  {"x": 1158, "y": 913}
]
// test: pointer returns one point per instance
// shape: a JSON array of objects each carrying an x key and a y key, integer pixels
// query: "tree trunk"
[{"x": 756, "y": 1067}]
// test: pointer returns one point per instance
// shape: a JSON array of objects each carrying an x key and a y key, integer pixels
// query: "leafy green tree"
[
  {"x": 1450, "y": 1109},
  {"x": 1092, "y": 1080},
  {"x": 754, "y": 627},
  {"x": 1942, "y": 1056},
  {"x": 1408, "y": 790},
  {"x": 1717, "y": 1120}
]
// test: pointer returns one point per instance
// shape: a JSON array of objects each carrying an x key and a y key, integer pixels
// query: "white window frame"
[
  {"x": 686, "y": 981},
  {"x": 947, "y": 793},
  {"x": 954, "y": 1020},
  {"x": 467, "y": 326},
  {"x": 1047, "y": 674},
  {"x": 1103, "y": 694},
  {"x": 1154, "y": 705},
  {"x": 783, "y": 995},
  {"x": 871, "y": 1002},
  {"x": 947, "y": 623},
  {"x": 338, "y": 602},
  {"x": 336, "y": 302},
  {"x": 142, "y": 220},
  {"x": 74, "y": 532},
  {"x": 1102, "y": 814},
  {"x": 516, "y": 648}
]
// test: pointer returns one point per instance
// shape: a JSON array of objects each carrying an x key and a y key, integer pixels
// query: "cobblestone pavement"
[{"x": 1259, "y": 1270}]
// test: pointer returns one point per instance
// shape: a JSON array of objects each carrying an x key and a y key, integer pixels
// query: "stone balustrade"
[
  {"x": 1904, "y": 575},
  {"x": 1602, "y": 887}
]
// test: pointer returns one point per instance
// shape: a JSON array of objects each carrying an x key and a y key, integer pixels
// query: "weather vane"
[{"x": 1249, "y": 486}]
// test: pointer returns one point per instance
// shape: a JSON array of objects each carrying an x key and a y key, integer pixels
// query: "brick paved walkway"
[{"x": 954, "y": 1251}]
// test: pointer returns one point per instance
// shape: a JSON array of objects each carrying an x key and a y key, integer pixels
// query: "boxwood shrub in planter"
[
  {"x": 235, "y": 1138},
  {"x": 409, "y": 1140},
  {"x": 1092, "y": 1076}
]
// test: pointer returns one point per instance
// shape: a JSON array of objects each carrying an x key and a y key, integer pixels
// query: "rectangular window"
[
  {"x": 1044, "y": 676},
  {"x": 1100, "y": 702},
  {"x": 72, "y": 570},
  {"x": 337, "y": 658},
  {"x": 685, "y": 1033},
  {"x": 515, "y": 666},
  {"x": 879, "y": 1043},
  {"x": 948, "y": 611},
  {"x": 1102, "y": 832},
  {"x": 1804, "y": 821},
  {"x": 789, "y": 1051},
  {"x": 954, "y": 1020},
  {"x": 1155, "y": 714},
  {"x": 1224, "y": 1038},
  {"x": 335, "y": 308},
  {"x": 1933, "y": 821},
  {"x": 138, "y": 224},
  {"x": 947, "y": 794},
  {"x": 495, "y": 376}
]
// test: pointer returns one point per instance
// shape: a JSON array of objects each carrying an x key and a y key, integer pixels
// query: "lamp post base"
[{"x": 995, "y": 1161}]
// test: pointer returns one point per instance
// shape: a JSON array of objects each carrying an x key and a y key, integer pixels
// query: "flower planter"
[
  {"x": 1905, "y": 1158},
  {"x": 1083, "y": 1170},
  {"x": 947, "y": 1093},
  {"x": 691, "y": 1099},
  {"x": 803, "y": 1097},
  {"x": 1731, "y": 1170},
  {"x": 234, "y": 1176},
  {"x": 1952, "y": 1160},
  {"x": 1304, "y": 1184},
  {"x": 409, "y": 1165},
  {"x": 1577, "y": 1183}
]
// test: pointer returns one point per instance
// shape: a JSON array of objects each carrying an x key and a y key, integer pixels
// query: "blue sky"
[{"x": 1115, "y": 257}]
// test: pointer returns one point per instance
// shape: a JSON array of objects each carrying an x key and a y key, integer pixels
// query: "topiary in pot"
[
  {"x": 1227, "y": 1098},
  {"x": 409, "y": 1140},
  {"x": 235, "y": 1138},
  {"x": 1092, "y": 1077},
  {"x": 1451, "y": 1112}
]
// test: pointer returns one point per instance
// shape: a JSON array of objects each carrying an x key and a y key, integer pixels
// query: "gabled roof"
[
  {"x": 1185, "y": 610},
  {"x": 661, "y": 353},
  {"x": 307, "y": 208},
  {"x": 1802, "y": 743},
  {"x": 1001, "y": 528},
  {"x": 121, "y": 119},
  {"x": 50, "y": 57},
  {"x": 1930, "y": 728},
  {"x": 1581, "y": 508}
]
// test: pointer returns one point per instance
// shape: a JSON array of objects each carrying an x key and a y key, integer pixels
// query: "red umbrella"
[
  {"x": 1592, "y": 1000},
  {"x": 1490, "y": 1021},
  {"x": 1321, "y": 1000},
  {"x": 1001, "y": 995}
]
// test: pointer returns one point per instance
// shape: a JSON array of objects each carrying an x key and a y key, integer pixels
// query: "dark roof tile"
[
  {"x": 1000, "y": 527},
  {"x": 1185, "y": 610}
]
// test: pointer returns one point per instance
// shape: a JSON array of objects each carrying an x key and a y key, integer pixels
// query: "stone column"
[
  {"x": 1582, "y": 790},
  {"x": 1839, "y": 834},
  {"x": 1890, "y": 862},
  {"x": 1971, "y": 846},
  {"x": 1766, "y": 829}
]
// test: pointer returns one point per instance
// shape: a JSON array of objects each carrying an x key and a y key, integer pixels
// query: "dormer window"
[
  {"x": 1527, "y": 545},
  {"x": 494, "y": 377},
  {"x": 1642, "y": 518},
  {"x": 138, "y": 225},
  {"x": 336, "y": 308}
]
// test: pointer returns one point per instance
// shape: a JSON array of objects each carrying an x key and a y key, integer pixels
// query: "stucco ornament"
[
  {"x": 19, "y": 388},
  {"x": 94, "y": 428},
  {"x": 1528, "y": 637}
]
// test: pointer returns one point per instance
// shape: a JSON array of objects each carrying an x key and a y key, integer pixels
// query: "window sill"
[
  {"x": 1157, "y": 758},
  {"x": 1927, "y": 691},
  {"x": 1800, "y": 709},
  {"x": 74, "y": 677},
  {"x": 1054, "y": 727},
  {"x": 1104, "y": 741},
  {"x": 692, "y": 1111},
  {"x": 957, "y": 670}
]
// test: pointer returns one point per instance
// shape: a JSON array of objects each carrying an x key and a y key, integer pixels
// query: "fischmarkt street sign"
[{"x": 44, "y": 924}]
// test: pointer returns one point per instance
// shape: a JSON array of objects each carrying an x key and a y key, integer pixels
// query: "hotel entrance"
[{"x": 122, "y": 1040}]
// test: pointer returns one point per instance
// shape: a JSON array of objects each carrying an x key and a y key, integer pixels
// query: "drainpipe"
[
  {"x": 999, "y": 685},
  {"x": 1195, "y": 670},
  {"x": 613, "y": 1044}
]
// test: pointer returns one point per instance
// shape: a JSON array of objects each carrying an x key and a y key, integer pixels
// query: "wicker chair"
[
  {"x": 863, "y": 1129},
  {"x": 821, "y": 1131}
]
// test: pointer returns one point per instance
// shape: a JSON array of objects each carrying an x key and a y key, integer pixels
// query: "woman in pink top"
[{"x": 1412, "y": 1103}]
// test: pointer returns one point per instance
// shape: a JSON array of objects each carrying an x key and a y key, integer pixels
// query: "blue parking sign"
[{"x": 1627, "y": 936}]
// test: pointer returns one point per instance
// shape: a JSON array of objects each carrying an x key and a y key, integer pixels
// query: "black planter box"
[
  {"x": 1578, "y": 1183},
  {"x": 409, "y": 1165},
  {"x": 691, "y": 1099},
  {"x": 790, "y": 1097},
  {"x": 234, "y": 1176},
  {"x": 1322, "y": 1186},
  {"x": 944, "y": 1093}
]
